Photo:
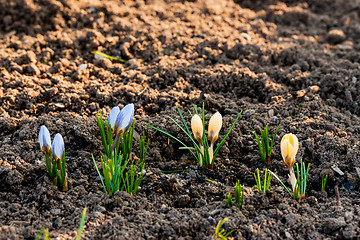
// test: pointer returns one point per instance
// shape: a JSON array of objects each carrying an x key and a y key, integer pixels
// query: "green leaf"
[{"x": 82, "y": 223}]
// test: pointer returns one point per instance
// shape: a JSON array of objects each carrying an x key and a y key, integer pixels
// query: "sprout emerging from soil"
[
  {"x": 297, "y": 179},
  {"x": 264, "y": 146},
  {"x": 54, "y": 157},
  {"x": 238, "y": 195},
  {"x": 201, "y": 150},
  {"x": 121, "y": 170},
  {"x": 220, "y": 232},
  {"x": 289, "y": 147},
  {"x": 262, "y": 187}
]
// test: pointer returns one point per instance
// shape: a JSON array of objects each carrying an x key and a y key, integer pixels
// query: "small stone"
[
  {"x": 59, "y": 105},
  {"x": 103, "y": 62},
  {"x": 314, "y": 88},
  {"x": 274, "y": 118},
  {"x": 248, "y": 113},
  {"x": 99, "y": 209},
  {"x": 32, "y": 69},
  {"x": 354, "y": 80},
  {"x": 210, "y": 220},
  {"x": 288, "y": 235},
  {"x": 335, "y": 36},
  {"x": 349, "y": 216},
  {"x": 83, "y": 66},
  {"x": 300, "y": 93},
  {"x": 271, "y": 113}
]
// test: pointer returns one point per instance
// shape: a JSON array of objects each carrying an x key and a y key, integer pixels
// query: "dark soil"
[{"x": 264, "y": 57}]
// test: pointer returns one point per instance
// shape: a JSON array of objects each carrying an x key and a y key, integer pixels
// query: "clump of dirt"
[{"x": 294, "y": 63}]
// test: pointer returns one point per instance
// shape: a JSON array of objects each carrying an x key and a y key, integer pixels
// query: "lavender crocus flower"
[
  {"x": 44, "y": 139},
  {"x": 58, "y": 147},
  {"x": 124, "y": 119}
]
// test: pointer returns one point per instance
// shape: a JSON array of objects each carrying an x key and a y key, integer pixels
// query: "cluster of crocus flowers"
[
  {"x": 54, "y": 155},
  {"x": 197, "y": 128},
  {"x": 121, "y": 169},
  {"x": 289, "y": 148}
]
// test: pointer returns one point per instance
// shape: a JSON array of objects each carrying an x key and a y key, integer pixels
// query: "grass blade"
[{"x": 82, "y": 223}]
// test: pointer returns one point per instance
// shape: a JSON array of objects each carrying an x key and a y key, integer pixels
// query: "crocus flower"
[
  {"x": 44, "y": 139},
  {"x": 214, "y": 127},
  {"x": 112, "y": 117},
  {"x": 197, "y": 127},
  {"x": 289, "y": 147},
  {"x": 58, "y": 147},
  {"x": 124, "y": 119}
]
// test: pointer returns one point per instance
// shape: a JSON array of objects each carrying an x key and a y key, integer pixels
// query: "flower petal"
[
  {"x": 112, "y": 116},
  {"x": 215, "y": 124},
  {"x": 197, "y": 127},
  {"x": 124, "y": 118},
  {"x": 44, "y": 139},
  {"x": 58, "y": 147}
]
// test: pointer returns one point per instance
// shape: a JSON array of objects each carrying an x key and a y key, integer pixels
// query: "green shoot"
[
  {"x": 302, "y": 177},
  {"x": 43, "y": 232},
  {"x": 109, "y": 57},
  {"x": 323, "y": 182},
  {"x": 228, "y": 199},
  {"x": 199, "y": 148},
  {"x": 239, "y": 195},
  {"x": 120, "y": 169},
  {"x": 267, "y": 181},
  {"x": 56, "y": 171},
  {"x": 81, "y": 227},
  {"x": 299, "y": 183},
  {"x": 219, "y": 232},
  {"x": 264, "y": 146}
]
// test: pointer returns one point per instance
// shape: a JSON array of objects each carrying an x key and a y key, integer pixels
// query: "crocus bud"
[
  {"x": 289, "y": 147},
  {"x": 112, "y": 117},
  {"x": 44, "y": 139},
  {"x": 124, "y": 119},
  {"x": 214, "y": 127},
  {"x": 292, "y": 180},
  {"x": 58, "y": 147},
  {"x": 197, "y": 127}
]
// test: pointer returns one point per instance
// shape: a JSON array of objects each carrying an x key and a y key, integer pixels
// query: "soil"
[{"x": 294, "y": 63}]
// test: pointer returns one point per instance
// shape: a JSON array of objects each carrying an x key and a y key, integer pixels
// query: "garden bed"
[{"x": 294, "y": 63}]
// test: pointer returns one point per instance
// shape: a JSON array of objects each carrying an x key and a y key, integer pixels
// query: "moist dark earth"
[{"x": 294, "y": 63}]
